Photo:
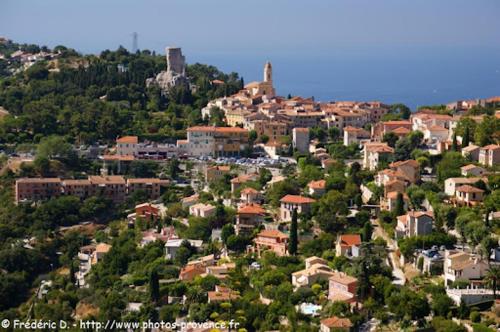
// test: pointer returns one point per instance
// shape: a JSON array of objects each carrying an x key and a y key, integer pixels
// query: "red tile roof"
[
  {"x": 336, "y": 322},
  {"x": 469, "y": 189},
  {"x": 296, "y": 199},
  {"x": 350, "y": 239},
  {"x": 128, "y": 139},
  {"x": 409, "y": 162},
  {"x": 320, "y": 184},
  {"x": 273, "y": 233},
  {"x": 252, "y": 209},
  {"x": 249, "y": 190}
]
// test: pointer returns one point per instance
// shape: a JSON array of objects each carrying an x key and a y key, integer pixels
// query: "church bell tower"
[{"x": 268, "y": 72}]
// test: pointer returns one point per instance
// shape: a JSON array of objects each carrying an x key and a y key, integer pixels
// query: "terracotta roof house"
[
  {"x": 311, "y": 274},
  {"x": 101, "y": 249},
  {"x": 342, "y": 287},
  {"x": 271, "y": 239},
  {"x": 389, "y": 202},
  {"x": 348, "y": 245},
  {"x": 291, "y": 202},
  {"x": 317, "y": 188},
  {"x": 189, "y": 272},
  {"x": 239, "y": 180},
  {"x": 414, "y": 223},
  {"x": 410, "y": 169},
  {"x": 250, "y": 195},
  {"x": 373, "y": 152},
  {"x": 459, "y": 265},
  {"x": 468, "y": 195},
  {"x": 213, "y": 173},
  {"x": 248, "y": 217},
  {"x": 355, "y": 135},
  {"x": 489, "y": 155},
  {"x": 472, "y": 170},
  {"x": 394, "y": 186},
  {"x": 451, "y": 184},
  {"x": 202, "y": 210},
  {"x": 471, "y": 151},
  {"x": 222, "y": 294},
  {"x": 190, "y": 200},
  {"x": 334, "y": 324}
]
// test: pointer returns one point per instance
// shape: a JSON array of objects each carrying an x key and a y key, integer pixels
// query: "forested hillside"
[{"x": 89, "y": 98}]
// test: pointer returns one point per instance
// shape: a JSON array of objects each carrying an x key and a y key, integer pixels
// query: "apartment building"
[
  {"x": 214, "y": 141},
  {"x": 300, "y": 139},
  {"x": 37, "y": 189},
  {"x": 489, "y": 155},
  {"x": 114, "y": 187},
  {"x": 151, "y": 186}
]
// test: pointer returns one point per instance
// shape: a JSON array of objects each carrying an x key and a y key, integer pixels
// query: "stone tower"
[
  {"x": 175, "y": 75},
  {"x": 268, "y": 72},
  {"x": 176, "y": 62}
]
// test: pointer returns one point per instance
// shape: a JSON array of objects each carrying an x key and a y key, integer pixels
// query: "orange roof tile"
[
  {"x": 38, "y": 180},
  {"x": 409, "y": 162},
  {"x": 469, "y": 189},
  {"x": 350, "y": 239},
  {"x": 273, "y": 233},
  {"x": 252, "y": 209},
  {"x": 336, "y": 322},
  {"x": 128, "y": 139},
  {"x": 401, "y": 130},
  {"x": 320, "y": 184},
  {"x": 296, "y": 199},
  {"x": 249, "y": 190}
]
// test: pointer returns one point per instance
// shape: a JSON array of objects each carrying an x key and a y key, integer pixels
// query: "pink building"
[
  {"x": 37, "y": 189},
  {"x": 342, "y": 288},
  {"x": 271, "y": 239}
]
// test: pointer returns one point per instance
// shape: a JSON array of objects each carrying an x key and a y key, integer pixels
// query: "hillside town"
[{"x": 278, "y": 213}]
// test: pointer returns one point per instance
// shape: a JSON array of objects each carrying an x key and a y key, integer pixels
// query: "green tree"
[
  {"x": 367, "y": 231},
  {"x": 441, "y": 304},
  {"x": 492, "y": 277},
  {"x": 450, "y": 165},
  {"x": 390, "y": 138},
  {"x": 226, "y": 232},
  {"x": 454, "y": 145},
  {"x": 487, "y": 132},
  {"x": 154, "y": 286},
  {"x": 466, "y": 137},
  {"x": 399, "y": 207},
  {"x": 329, "y": 210},
  {"x": 292, "y": 248}
]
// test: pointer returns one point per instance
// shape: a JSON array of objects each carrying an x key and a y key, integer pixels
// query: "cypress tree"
[
  {"x": 465, "y": 139},
  {"x": 454, "y": 145},
  {"x": 399, "y": 208},
  {"x": 154, "y": 286},
  {"x": 367, "y": 231},
  {"x": 292, "y": 248},
  {"x": 72, "y": 272}
]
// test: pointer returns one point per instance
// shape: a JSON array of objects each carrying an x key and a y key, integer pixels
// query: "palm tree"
[{"x": 492, "y": 277}]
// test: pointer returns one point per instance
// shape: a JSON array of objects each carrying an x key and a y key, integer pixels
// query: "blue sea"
[{"x": 413, "y": 77}]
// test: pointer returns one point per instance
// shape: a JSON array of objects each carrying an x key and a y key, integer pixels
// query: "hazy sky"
[{"x": 255, "y": 27}]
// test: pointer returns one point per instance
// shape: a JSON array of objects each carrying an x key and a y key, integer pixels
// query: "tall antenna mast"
[{"x": 135, "y": 43}]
